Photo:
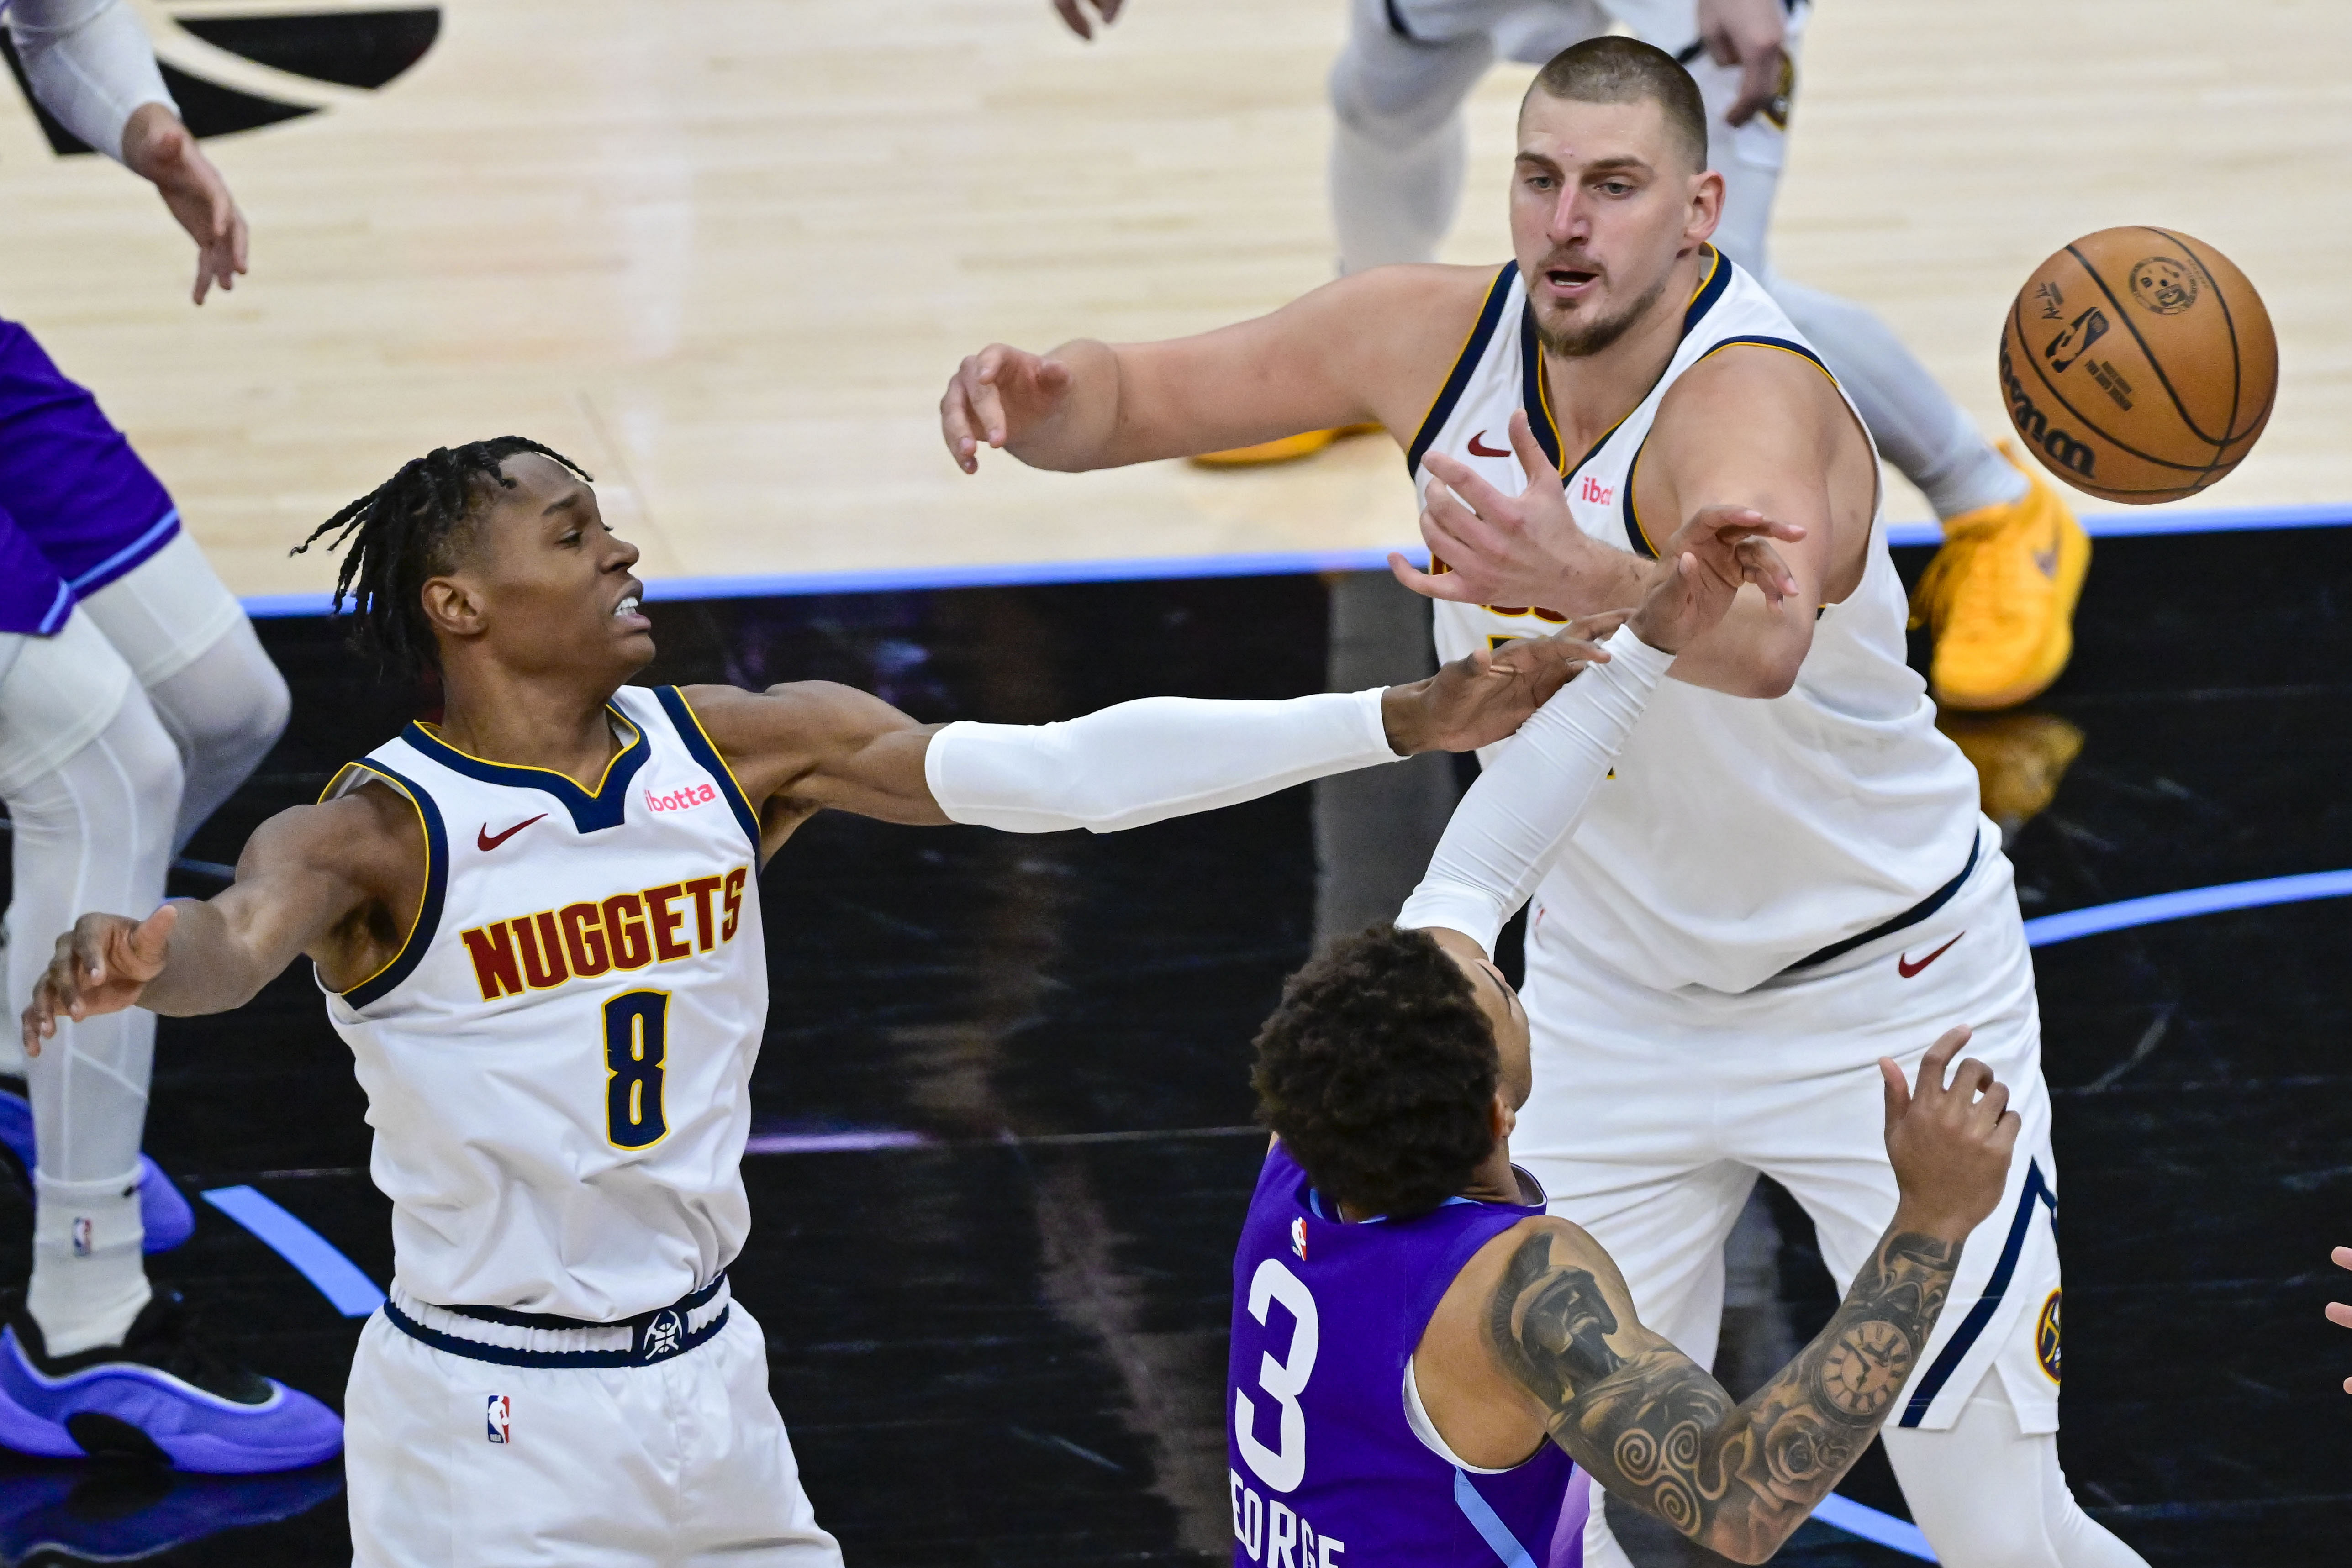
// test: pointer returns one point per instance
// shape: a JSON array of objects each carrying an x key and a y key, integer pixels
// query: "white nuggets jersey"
[
  {"x": 1736, "y": 836},
  {"x": 558, "y": 1060}
]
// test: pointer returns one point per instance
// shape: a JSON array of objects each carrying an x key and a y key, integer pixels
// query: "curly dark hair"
[
  {"x": 405, "y": 531},
  {"x": 1378, "y": 1071}
]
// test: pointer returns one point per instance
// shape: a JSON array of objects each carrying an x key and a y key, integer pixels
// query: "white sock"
[
  {"x": 89, "y": 1280},
  {"x": 1915, "y": 422}
]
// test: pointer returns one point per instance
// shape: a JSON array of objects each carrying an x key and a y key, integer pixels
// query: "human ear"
[
  {"x": 1706, "y": 206},
  {"x": 451, "y": 607}
]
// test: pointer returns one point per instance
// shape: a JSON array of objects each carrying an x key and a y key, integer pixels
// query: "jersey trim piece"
[
  {"x": 437, "y": 884},
  {"x": 649, "y": 1346},
  {"x": 1474, "y": 347},
  {"x": 130, "y": 555},
  {"x": 2036, "y": 1190},
  {"x": 1903, "y": 921},
  {"x": 700, "y": 746},
  {"x": 590, "y": 812}
]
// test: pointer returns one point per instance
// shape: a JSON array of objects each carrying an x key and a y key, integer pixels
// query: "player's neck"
[
  {"x": 1591, "y": 394},
  {"x": 527, "y": 723},
  {"x": 1494, "y": 1181}
]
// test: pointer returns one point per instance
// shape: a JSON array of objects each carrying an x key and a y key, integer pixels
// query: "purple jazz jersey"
[
  {"x": 1323, "y": 1466},
  {"x": 77, "y": 508}
]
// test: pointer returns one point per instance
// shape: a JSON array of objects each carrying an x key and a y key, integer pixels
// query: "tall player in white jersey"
[
  {"x": 537, "y": 924},
  {"x": 1788, "y": 876}
]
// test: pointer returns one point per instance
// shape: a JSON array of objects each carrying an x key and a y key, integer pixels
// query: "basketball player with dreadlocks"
[{"x": 538, "y": 924}]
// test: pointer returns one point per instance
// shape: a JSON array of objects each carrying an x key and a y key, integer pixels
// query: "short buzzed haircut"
[{"x": 1611, "y": 69}]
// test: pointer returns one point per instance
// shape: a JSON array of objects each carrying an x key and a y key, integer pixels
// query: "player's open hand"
[
  {"x": 2340, "y": 1313},
  {"x": 1477, "y": 700},
  {"x": 1752, "y": 35},
  {"x": 1074, "y": 14},
  {"x": 100, "y": 966},
  {"x": 1487, "y": 548},
  {"x": 1710, "y": 556},
  {"x": 157, "y": 148},
  {"x": 998, "y": 396},
  {"x": 1949, "y": 1143}
]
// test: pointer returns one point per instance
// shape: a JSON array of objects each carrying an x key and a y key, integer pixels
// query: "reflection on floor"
[{"x": 999, "y": 1336}]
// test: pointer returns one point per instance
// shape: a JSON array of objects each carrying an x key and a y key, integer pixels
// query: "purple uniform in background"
[
  {"x": 77, "y": 508},
  {"x": 1323, "y": 1465}
]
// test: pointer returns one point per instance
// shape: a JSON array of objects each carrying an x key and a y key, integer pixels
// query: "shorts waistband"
[
  {"x": 543, "y": 1339},
  {"x": 1903, "y": 921}
]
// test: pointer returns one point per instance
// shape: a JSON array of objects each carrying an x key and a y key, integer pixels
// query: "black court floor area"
[{"x": 1003, "y": 1146}]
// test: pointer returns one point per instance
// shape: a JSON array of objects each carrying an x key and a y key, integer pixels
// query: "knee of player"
[{"x": 239, "y": 725}]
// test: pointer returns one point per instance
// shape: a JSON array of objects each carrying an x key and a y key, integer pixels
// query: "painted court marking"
[{"x": 314, "y": 1257}]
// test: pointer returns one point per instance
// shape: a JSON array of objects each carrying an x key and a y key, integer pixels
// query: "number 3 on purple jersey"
[{"x": 1281, "y": 1468}]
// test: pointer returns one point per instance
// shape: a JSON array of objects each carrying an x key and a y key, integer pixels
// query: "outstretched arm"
[
  {"x": 801, "y": 748},
  {"x": 91, "y": 64},
  {"x": 1650, "y": 1425},
  {"x": 324, "y": 880}
]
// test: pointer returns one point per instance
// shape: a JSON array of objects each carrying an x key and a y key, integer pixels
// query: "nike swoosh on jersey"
[
  {"x": 1909, "y": 969},
  {"x": 1478, "y": 451},
  {"x": 487, "y": 840}
]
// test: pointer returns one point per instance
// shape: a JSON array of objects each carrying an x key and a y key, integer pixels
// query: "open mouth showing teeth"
[
  {"x": 1568, "y": 277},
  {"x": 627, "y": 607}
]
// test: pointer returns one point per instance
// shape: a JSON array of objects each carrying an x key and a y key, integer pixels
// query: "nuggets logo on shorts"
[
  {"x": 2046, "y": 1337},
  {"x": 500, "y": 1410}
]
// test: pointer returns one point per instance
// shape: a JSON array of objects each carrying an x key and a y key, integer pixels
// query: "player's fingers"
[
  {"x": 1899, "y": 1093},
  {"x": 1053, "y": 376},
  {"x": 1994, "y": 1102},
  {"x": 1533, "y": 463},
  {"x": 1761, "y": 564},
  {"x": 2005, "y": 1132},
  {"x": 1474, "y": 493},
  {"x": 1445, "y": 586},
  {"x": 1971, "y": 1079},
  {"x": 1939, "y": 1056},
  {"x": 1597, "y": 626},
  {"x": 958, "y": 424},
  {"x": 1074, "y": 18},
  {"x": 1759, "y": 79},
  {"x": 150, "y": 940},
  {"x": 2343, "y": 1257},
  {"x": 2337, "y": 1312}
]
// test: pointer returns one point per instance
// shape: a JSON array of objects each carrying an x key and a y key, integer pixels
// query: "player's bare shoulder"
[
  {"x": 774, "y": 740},
  {"x": 354, "y": 866},
  {"x": 1409, "y": 323}
]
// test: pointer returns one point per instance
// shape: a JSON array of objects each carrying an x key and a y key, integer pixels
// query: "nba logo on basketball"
[
  {"x": 1298, "y": 1238},
  {"x": 500, "y": 1410}
]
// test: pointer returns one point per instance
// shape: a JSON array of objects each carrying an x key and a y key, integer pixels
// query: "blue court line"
[
  {"x": 1857, "y": 1519},
  {"x": 1292, "y": 563},
  {"x": 2043, "y": 930},
  {"x": 313, "y": 1255}
]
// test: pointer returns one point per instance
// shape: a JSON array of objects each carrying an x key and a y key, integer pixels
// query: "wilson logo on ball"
[{"x": 2034, "y": 425}]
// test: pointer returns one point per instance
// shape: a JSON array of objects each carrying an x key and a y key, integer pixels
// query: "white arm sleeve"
[
  {"x": 91, "y": 64},
  {"x": 1143, "y": 761},
  {"x": 1504, "y": 834}
]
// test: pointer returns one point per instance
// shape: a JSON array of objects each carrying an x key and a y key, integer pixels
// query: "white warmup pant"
[
  {"x": 117, "y": 735},
  {"x": 681, "y": 1463},
  {"x": 1653, "y": 1112},
  {"x": 1397, "y": 146}
]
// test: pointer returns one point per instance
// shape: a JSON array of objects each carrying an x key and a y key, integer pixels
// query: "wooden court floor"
[{"x": 725, "y": 252}]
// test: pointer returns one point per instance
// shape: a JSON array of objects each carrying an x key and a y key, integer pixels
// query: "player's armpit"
[
  {"x": 1653, "y": 1426},
  {"x": 1763, "y": 428},
  {"x": 809, "y": 746}
]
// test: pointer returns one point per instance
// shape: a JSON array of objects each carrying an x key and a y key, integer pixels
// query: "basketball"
[{"x": 2140, "y": 364}]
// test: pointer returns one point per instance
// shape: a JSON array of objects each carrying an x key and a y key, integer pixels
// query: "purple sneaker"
[
  {"x": 162, "y": 1212},
  {"x": 161, "y": 1394}
]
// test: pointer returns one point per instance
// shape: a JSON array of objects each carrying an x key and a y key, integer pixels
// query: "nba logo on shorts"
[
  {"x": 1298, "y": 1238},
  {"x": 500, "y": 1410},
  {"x": 81, "y": 1236}
]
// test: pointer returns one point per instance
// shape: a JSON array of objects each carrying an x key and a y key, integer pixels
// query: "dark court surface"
[{"x": 1001, "y": 1339}]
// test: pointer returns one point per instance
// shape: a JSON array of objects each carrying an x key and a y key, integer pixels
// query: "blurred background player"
[
  {"x": 2001, "y": 595},
  {"x": 134, "y": 699}
]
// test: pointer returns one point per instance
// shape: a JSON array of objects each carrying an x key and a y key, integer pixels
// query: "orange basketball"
[{"x": 2139, "y": 365}]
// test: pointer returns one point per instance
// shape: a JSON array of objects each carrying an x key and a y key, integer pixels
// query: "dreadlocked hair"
[{"x": 401, "y": 533}]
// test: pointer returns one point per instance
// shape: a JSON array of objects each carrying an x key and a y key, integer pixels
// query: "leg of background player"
[
  {"x": 190, "y": 645},
  {"x": 1398, "y": 138},
  {"x": 2001, "y": 595},
  {"x": 1947, "y": 1477},
  {"x": 92, "y": 831}
]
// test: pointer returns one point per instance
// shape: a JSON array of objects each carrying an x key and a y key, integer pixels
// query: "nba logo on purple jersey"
[
  {"x": 1298, "y": 1239},
  {"x": 501, "y": 1408}
]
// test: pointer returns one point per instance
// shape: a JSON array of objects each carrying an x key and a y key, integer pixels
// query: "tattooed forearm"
[{"x": 1654, "y": 1427}]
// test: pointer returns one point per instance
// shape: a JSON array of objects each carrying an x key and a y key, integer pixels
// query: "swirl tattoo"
[{"x": 1657, "y": 1430}]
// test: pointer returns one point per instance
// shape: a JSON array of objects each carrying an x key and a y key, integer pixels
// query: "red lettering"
[
  {"x": 624, "y": 926},
  {"x": 706, "y": 930},
  {"x": 665, "y": 921},
  {"x": 734, "y": 896},
  {"x": 494, "y": 962},
  {"x": 542, "y": 950},
  {"x": 583, "y": 940}
]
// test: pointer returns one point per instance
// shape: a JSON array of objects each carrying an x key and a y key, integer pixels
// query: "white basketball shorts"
[
  {"x": 455, "y": 1462},
  {"x": 1653, "y": 1111}
]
